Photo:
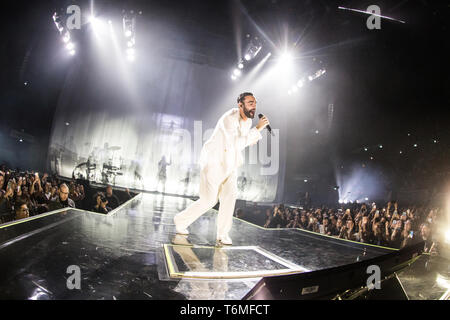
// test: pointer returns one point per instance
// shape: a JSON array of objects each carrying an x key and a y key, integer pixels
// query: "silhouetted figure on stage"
[
  {"x": 162, "y": 172},
  {"x": 242, "y": 182},
  {"x": 221, "y": 156}
]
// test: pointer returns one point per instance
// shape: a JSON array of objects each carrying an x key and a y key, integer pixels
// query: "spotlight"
[
  {"x": 286, "y": 57},
  {"x": 317, "y": 131},
  {"x": 289, "y": 92},
  {"x": 380, "y": 146},
  {"x": 130, "y": 58},
  {"x": 20, "y": 140},
  {"x": 70, "y": 46},
  {"x": 367, "y": 199},
  {"x": 401, "y": 151},
  {"x": 365, "y": 149},
  {"x": 340, "y": 201},
  {"x": 240, "y": 65},
  {"x": 233, "y": 77},
  {"x": 253, "y": 48},
  {"x": 129, "y": 43},
  {"x": 310, "y": 78},
  {"x": 237, "y": 72},
  {"x": 58, "y": 22},
  {"x": 300, "y": 83},
  {"x": 128, "y": 33},
  {"x": 415, "y": 145},
  {"x": 294, "y": 88},
  {"x": 305, "y": 180},
  {"x": 447, "y": 236},
  {"x": 434, "y": 141},
  {"x": 130, "y": 51},
  {"x": 371, "y": 158},
  {"x": 66, "y": 37},
  {"x": 72, "y": 52}
]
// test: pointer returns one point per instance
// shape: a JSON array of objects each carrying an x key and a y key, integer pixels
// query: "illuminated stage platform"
[{"x": 134, "y": 253}]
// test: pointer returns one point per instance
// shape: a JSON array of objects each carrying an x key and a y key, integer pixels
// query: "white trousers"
[{"x": 213, "y": 187}]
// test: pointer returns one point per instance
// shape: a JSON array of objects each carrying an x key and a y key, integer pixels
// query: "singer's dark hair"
[{"x": 242, "y": 96}]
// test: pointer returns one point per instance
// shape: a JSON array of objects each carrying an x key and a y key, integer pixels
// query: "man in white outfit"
[{"x": 220, "y": 158}]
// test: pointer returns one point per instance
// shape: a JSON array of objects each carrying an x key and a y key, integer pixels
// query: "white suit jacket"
[{"x": 231, "y": 135}]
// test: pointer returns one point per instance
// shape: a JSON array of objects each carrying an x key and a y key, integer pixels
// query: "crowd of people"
[
  {"x": 25, "y": 194},
  {"x": 388, "y": 226}
]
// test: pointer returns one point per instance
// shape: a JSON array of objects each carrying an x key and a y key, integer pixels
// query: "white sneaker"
[
  {"x": 224, "y": 240},
  {"x": 180, "y": 230}
]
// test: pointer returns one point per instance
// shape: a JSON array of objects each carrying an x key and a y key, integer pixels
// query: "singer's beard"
[{"x": 249, "y": 113}]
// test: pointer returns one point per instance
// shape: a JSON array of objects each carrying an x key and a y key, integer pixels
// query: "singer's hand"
[{"x": 262, "y": 123}]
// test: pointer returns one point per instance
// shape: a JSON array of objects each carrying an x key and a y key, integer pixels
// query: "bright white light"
[
  {"x": 367, "y": 199},
  {"x": 305, "y": 180},
  {"x": 340, "y": 201},
  {"x": 442, "y": 281},
  {"x": 289, "y": 92},
  {"x": 415, "y": 145},
  {"x": 70, "y": 46},
  {"x": 247, "y": 57},
  {"x": 97, "y": 24},
  {"x": 380, "y": 146},
  {"x": 240, "y": 65},
  {"x": 300, "y": 83},
  {"x": 237, "y": 72},
  {"x": 233, "y": 77},
  {"x": 401, "y": 151},
  {"x": 66, "y": 37},
  {"x": 67, "y": 123},
  {"x": 447, "y": 236},
  {"x": 294, "y": 88},
  {"x": 130, "y": 51},
  {"x": 128, "y": 33},
  {"x": 310, "y": 78},
  {"x": 317, "y": 131},
  {"x": 285, "y": 61},
  {"x": 20, "y": 140},
  {"x": 130, "y": 57},
  {"x": 345, "y": 201},
  {"x": 286, "y": 58},
  {"x": 130, "y": 43},
  {"x": 72, "y": 52},
  {"x": 365, "y": 149}
]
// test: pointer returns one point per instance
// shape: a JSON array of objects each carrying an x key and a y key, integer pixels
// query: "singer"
[{"x": 219, "y": 160}]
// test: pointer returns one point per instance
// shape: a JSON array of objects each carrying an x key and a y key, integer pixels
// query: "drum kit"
[{"x": 107, "y": 173}]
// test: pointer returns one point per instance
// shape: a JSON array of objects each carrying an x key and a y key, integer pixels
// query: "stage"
[{"x": 134, "y": 253}]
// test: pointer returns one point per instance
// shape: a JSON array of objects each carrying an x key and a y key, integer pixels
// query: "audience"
[
  {"x": 101, "y": 203},
  {"x": 24, "y": 194},
  {"x": 390, "y": 226},
  {"x": 62, "y": 200},
  {"x": 113, "y": 201}
]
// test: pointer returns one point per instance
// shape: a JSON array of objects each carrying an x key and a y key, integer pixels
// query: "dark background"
[{"x": 383, "y": 84}]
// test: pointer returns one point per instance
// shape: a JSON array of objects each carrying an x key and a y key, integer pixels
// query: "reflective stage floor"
[{"x": 135, "y": 254}]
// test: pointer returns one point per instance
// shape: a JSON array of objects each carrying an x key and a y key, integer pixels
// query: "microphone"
[{"x": 268, "y": 126}]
